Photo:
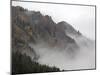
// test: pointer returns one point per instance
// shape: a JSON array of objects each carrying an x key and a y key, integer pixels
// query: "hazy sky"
[{"x": 82, "y": 18}]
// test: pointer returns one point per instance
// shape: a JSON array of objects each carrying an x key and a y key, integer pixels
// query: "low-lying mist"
[{"x": 83, "y": 59}]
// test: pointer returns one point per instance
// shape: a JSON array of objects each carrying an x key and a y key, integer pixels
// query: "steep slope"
[
  {"x": 41, "y": 29},
  {"x": 39, "y": 37},
  {"x": 69, "y": 29},
  {"x": 76, "y": 35}
]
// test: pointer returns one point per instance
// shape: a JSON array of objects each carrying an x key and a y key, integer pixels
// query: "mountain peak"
[
  {"x": 42, "y": 29},
  {"x": 69, "y": 28}
]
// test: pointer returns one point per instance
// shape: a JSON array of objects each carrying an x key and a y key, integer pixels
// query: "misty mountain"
[
  {"x": 34, "y": 27},
  {"x": 38, "y": 36},
  {"x": 68, "y": 28}
]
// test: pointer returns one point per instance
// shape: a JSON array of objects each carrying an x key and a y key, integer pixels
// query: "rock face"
[
  {"x": 33, "y": 27},
  {"x": 38, "y": 37},
  {"x": 69, "y": 29}
]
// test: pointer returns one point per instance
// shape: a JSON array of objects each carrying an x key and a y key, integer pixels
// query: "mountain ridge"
[{"x": 42, "y": 39}]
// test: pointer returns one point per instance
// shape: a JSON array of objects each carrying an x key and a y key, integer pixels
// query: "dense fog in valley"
[{"x": 84, "y": 58}]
